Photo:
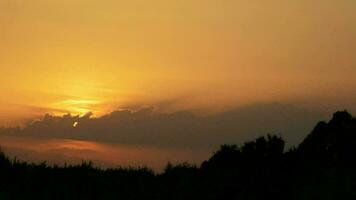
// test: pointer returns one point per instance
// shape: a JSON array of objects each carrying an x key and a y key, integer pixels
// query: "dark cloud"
[{"x": 178, "y": 129}]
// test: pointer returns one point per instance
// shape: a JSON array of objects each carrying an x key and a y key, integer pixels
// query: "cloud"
[{"x": 183, "y": 129}]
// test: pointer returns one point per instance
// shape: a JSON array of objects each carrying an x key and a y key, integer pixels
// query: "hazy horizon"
[{"x": 147, "y": 137}]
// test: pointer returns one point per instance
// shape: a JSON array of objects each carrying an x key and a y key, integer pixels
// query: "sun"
[{"x": 75, "y": 124}]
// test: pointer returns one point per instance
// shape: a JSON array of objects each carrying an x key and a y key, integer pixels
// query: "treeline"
[{"x": 323, "y": 167}]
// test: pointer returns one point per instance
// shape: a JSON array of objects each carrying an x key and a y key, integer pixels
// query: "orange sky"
[{"x": 77, "y": 56}]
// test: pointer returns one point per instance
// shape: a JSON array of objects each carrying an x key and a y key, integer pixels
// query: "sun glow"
[{"x": 76, "y": 106}]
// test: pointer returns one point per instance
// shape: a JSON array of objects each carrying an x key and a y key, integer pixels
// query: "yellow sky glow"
[{"x": 78, "y": 56}]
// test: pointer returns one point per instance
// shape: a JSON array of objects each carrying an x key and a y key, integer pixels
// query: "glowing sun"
[{"x": 75, "y": 124}]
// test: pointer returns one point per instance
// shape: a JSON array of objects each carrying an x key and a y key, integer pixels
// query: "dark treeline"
[{"x": 321, "y": 167}]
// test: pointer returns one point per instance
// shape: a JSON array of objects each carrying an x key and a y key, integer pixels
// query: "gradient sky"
[
  {"x": 77, "y": 56},
  {"x": 255, "y": 67}
]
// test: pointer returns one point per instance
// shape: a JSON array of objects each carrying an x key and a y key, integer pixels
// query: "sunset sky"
[
  {"x": 77, "y": 56},
  {"x": 206, "y": 56}
]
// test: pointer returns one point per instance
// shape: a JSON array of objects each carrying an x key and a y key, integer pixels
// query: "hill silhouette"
[{"x": 321, "y": 167}]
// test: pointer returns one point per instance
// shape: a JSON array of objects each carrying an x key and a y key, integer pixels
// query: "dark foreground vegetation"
[{"x": 322, "y": 167}]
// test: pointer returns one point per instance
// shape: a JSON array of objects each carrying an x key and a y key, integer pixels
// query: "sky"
[
  {"x": 77, "y": 56},
  {"x": 202, "y": 56}
]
